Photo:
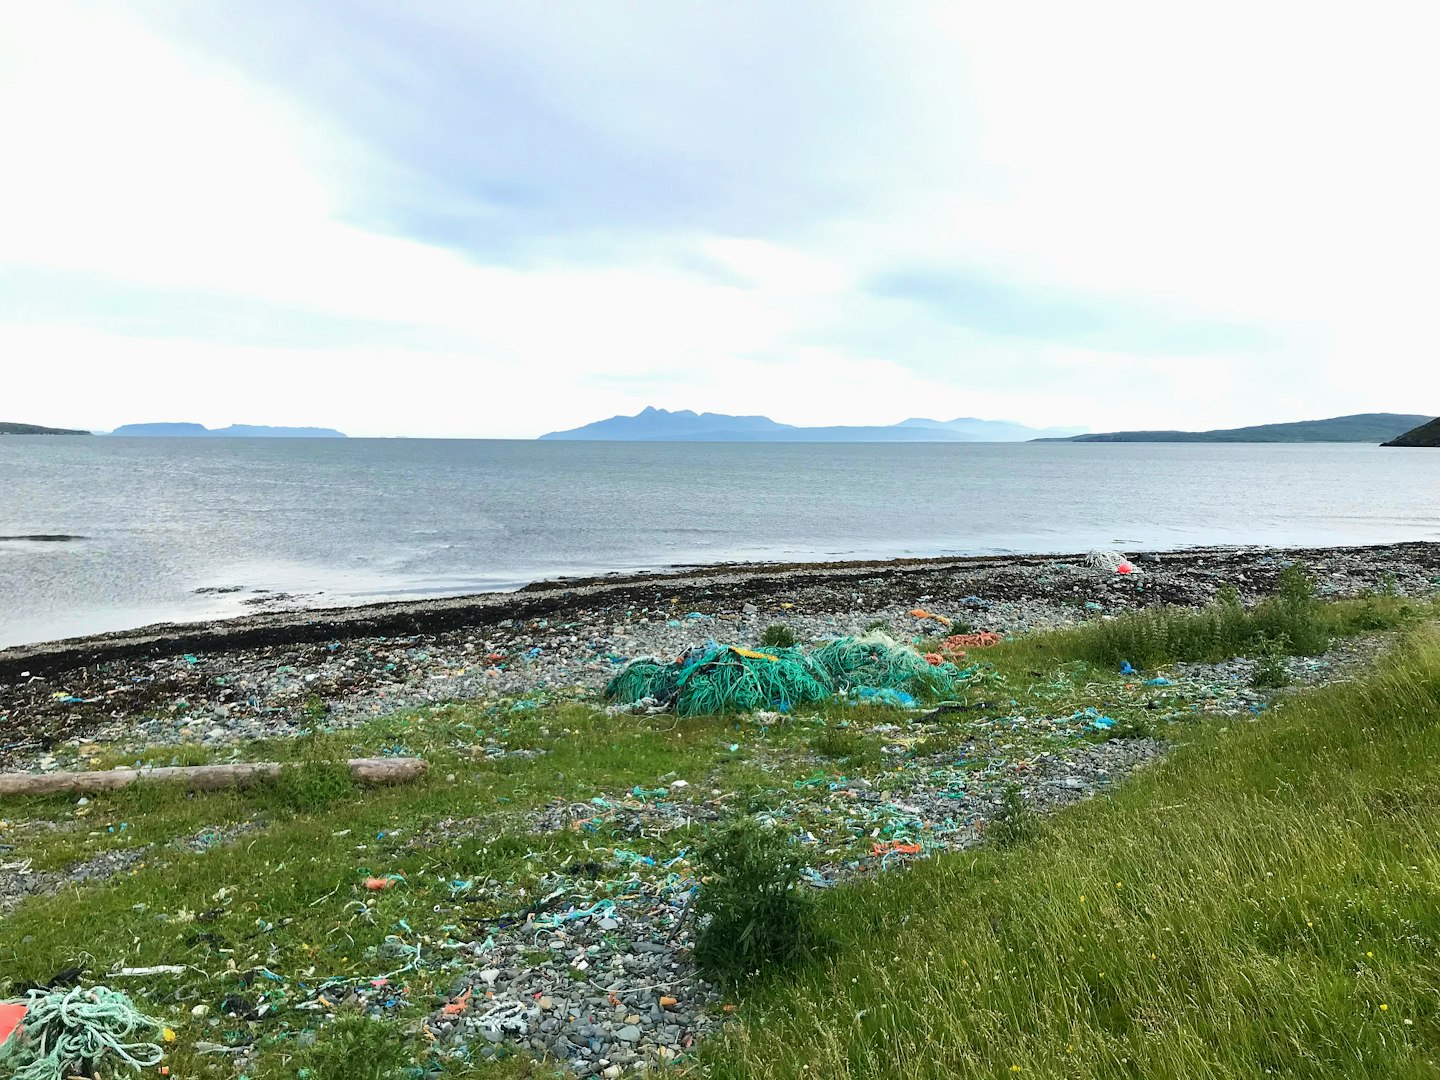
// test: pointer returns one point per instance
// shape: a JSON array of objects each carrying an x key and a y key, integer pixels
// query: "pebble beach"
[{"x": 588, "y": 961}]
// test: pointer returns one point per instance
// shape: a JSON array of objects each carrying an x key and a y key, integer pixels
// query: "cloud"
[
  {"x": 985, "y": 303},
  {"x": 481, "y": 218}
]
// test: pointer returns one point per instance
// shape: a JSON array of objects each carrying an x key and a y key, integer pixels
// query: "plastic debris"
[
  {"x": 10, "y": 1016},
  {"x": 459, "y": 1005},
  {"x": 1106, "y": 560},
  {"x": 896, "y": 847},
  {"x": 1093, "y": 718},
  {"x": 982, "y": 640},
  {"x": 871, "y": 695}
]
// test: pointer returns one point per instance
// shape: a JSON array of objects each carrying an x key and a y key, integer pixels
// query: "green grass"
[
  {"x": 288, "y": 894},
  {"x": 1264, "y": 902},
  {"x": 1154, "y": 637}
]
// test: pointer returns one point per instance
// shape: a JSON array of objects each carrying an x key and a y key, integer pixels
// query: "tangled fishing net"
[
  {"x": 1111, "y": 561},
  {"x": 714, "y": 678},
  {"x": 70, "y": 1032},
  {"x": 879, "y": 662}
]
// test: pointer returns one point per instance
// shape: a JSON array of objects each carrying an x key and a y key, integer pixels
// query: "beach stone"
[{"x": 629, "y": 1033}]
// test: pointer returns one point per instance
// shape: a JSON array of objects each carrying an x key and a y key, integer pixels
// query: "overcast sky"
[{"x": 481, "y": 219}]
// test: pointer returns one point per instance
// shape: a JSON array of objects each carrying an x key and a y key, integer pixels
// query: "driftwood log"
[{"x": 389, "y": 770}]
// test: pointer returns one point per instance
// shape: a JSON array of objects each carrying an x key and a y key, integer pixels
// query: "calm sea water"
[{"x": 357, "y": 520}]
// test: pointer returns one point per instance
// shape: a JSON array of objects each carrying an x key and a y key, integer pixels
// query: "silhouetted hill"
[
  {"x": 1424, "y": 435},
  {"x": 242, "y": 431},
  {"x": 661, "y": 425},
  {"x": 1360, "y": 428},
  {"x": 35, "y": 429}
]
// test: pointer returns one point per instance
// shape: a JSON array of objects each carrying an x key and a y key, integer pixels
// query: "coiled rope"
[{"x": 66, "y": 1031}]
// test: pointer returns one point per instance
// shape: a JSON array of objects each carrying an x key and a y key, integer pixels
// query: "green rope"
[
  {"x": 67, "y": 1031},
  {"x": 715, "y": 678},
  {"x": 879, "y": 661}
]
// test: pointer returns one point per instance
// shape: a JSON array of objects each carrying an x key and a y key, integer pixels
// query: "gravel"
[
  {"x": 54, "y": 716},
  {"x": 598, "y": 973}
]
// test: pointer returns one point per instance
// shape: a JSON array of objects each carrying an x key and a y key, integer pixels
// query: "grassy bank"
[
  {"x": 1292, "y": 622},
  {"x": 1265, "y": 902},
  {"x": 1212, "y": 918}
]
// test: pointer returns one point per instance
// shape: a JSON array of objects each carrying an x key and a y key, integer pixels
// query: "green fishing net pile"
[
  {"x": 714, "y": 678},
  {"x": 880, "y": 662}
]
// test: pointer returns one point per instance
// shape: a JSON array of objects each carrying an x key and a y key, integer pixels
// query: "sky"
[{"x": 470, "y": 219}]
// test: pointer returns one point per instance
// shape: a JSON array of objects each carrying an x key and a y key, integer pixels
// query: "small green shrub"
[
  {"x": 1129, "y": 727},
  {"x": 752, "y": 917},
  {"x": 315, "y": 708},
  {"x": 848, "y": 746},
  {"x": 1271, "y": 670},
  {"x": 1293, "y": 615},
  {"x": 1015, "y": 822},
  {"x": 1370, "y": 615},
  {"x": 778, "y": 636},
  {"x": 311, "y": 786}
]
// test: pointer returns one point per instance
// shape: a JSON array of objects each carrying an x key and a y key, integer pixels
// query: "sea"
[{"x": 174, "y": 529}]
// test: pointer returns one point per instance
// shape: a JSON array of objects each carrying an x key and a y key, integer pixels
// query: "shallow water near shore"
[{"x": 104, "y": 534}]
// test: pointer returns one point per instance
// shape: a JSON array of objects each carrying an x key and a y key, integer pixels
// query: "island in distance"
[
  {"x": 1360, "y": 428},
  {"x": 662, "y": 425},
  {"x": 8, "y": 428},
  {"x": 234, "y": 431}
]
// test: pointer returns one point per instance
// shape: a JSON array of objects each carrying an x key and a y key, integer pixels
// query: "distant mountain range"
[
  {"x": 1360, "y": 428},
  {"x": 234, "y": 431},
  {"x": 1424, "y": 435},
  {"x": 661, "y": 425},
  {"x": 35, "y": 429}
]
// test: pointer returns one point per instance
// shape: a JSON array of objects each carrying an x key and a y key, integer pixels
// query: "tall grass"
[
  {"x": 1265, "y": 902},
  {"x": 1293, "y": 621}
]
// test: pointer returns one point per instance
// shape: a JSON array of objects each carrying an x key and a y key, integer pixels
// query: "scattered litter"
[
  {"x": 921, "y": 613},
  {"x": 895, "y": 847},
  {"x": 983, "y": 640}
]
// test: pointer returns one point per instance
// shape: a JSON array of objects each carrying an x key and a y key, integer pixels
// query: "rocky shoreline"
[
  {"x": 270, "y": 675},
  {"x": 591, "y": 964}
]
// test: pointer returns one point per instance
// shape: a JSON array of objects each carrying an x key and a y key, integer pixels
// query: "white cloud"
[{"x": 1267, "y": 167}]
